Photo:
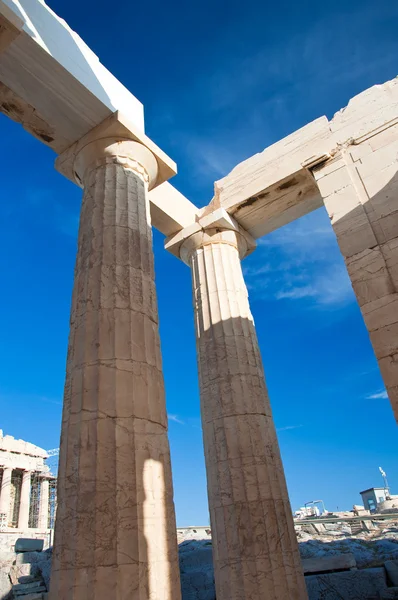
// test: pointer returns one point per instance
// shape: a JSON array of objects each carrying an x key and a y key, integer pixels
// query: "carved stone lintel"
[{"x": 20, "y": 111}]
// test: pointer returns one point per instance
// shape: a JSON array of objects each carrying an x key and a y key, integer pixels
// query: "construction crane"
[
  {"x": 53, "y": 460},
  {"x": 386, "y": 488}
]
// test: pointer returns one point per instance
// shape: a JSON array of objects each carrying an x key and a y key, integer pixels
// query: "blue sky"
[{"x": 219, "y": 82}]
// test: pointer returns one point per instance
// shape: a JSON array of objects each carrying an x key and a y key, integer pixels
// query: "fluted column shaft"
[
  {"x": 43, "y": 506},
  {"x": 255, "y": 549},
  {"x": 5, "y": 493},
  {"x": 115, "y": 533},
  {"x": 24, "y": 505}
]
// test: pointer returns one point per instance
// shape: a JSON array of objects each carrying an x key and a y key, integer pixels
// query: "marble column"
[
  {"x": 43, "y": 506},
  {"x": 24, "y": 504},
  {"x": 5, "y": 493},
  {"x": 255, "y": 550},
  {"x": 359, "y": 191},
  {"x": 115, "y": 533}
]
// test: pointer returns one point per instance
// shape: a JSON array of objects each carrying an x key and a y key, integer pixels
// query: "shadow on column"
[
  {"x": 255, "y": 549},
  {"x": 142, "y": 545}
]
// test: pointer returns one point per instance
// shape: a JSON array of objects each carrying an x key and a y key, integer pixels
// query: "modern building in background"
[{"x": 374, "y": 496}]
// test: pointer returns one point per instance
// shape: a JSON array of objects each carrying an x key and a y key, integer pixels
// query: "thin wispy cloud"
[
  {"x": 301, "y": 262},
  {"x": 288, "y": 427},
  {"x": 332, "y": 288},
  {"x": 377, "y": 396},
  {"x": 32, "y": 399},
  {"x": 175, "y": 419}
]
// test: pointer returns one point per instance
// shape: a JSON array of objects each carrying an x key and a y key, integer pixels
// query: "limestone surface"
[
  {"x": 255, "y": 547},
  {"x": 115, "y": 533},
  {"x": 359, "y": 189}
]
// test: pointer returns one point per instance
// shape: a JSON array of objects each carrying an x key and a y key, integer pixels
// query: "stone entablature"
[{"x": 18, "y": 454}]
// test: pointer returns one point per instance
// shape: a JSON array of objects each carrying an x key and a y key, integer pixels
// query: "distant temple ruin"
[{"x": 27, "y": 488}]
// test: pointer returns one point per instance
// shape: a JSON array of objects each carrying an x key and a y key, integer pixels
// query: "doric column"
[
  {"x": 43, "y": 506},
  {"x": 359, "y": 190},
  {"x": 115, "y": 533},
  {"x": 24, "y": 505},
  {"x": 255, "y": 550},
  {"x": 5, "y": 493}
]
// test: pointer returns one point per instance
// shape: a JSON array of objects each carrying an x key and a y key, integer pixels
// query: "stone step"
[
  {"x": 31, "y": 597},
  {"x": 19, "y": 573},
  {"x": 24, "y": 595},
  {"x": 323, "y": 564},
  {"x": 28, "y": 579},
  {"x": 29, "y": 545},
  {"x": 26, "y": 586},
  {"x": 32, "y": 588}
]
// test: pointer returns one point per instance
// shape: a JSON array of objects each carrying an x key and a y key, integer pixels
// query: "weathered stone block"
[
  {"x": 381, "y": 312},
  {"x": 338, "y": 562},
  {"x": 393, "y": 396},
  {"x": 24, "y": 570},
  {"x": 385, "y": 340},
  {"x": 391, "y": 567},
  {"x": 378, "y": 169},
  {"x": 336, "y": 180},
  {"x": 347, "y": 585},
  {"x": 29, "y": 545},
  {"x": 369, "y": 276},
  {"x": 384, "y": 138},
  {"x": 38, "y": 596},
  {"x": 359, "y": 151},
  {"x": 389, "y": 370},
  {"x": 5, "y": 585},
  {"x": 389, "y": 225},
  {"x": 354, "y": 232},
  {"x": 31, "y": 557},
  {"x": 390, "y": 253},
  {"x": 33, "y": 586},
  {"x": 45, "y": 571}
]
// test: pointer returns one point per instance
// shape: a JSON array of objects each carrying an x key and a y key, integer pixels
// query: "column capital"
[
  {"x": 214, "y": 228},
  {"x": 116, "y": 139}
]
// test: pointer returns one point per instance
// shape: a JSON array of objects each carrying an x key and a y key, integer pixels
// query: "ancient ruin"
[
  {"x": 25, "y": 487},
  {"x": 115, "y": 533}
]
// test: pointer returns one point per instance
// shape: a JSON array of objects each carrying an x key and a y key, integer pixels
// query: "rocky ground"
[{"x": 371, "y": 548}]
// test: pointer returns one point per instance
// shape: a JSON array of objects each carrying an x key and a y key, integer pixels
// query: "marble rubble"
[{"x": 115, "y": 532}]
